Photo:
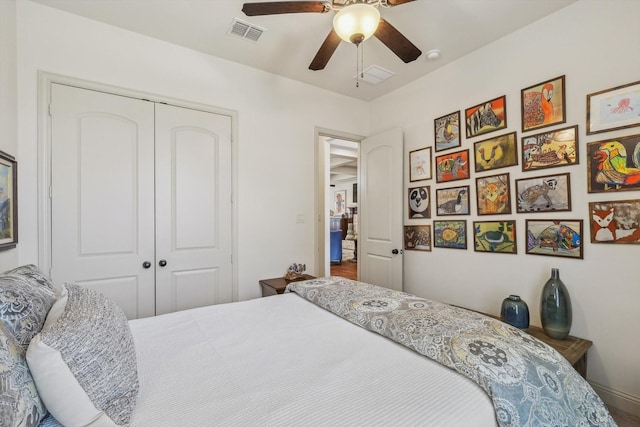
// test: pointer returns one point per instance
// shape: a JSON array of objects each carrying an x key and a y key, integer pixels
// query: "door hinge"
[
  {"x": 50, "y": 192},
  {"x": 50, "y": 110}
]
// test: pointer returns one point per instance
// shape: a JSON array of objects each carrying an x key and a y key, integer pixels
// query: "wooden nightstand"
[
  {"x": 572, "y": 348},
  {"x": 277, "y": 286}
]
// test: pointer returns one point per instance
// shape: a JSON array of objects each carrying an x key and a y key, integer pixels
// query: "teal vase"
[
  {"x": 555, "y": 307},
  {"x": 515, "y": 312}
]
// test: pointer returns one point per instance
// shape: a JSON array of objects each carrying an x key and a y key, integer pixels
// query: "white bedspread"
[{"x": 282, "y": 361}]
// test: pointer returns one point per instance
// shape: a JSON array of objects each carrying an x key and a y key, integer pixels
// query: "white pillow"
[{"x": 83, "y": 361}]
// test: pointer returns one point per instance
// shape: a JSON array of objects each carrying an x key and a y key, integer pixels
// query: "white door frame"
[
  {"x": 45, "y": 79},
  {"x": 321, "y": 208}
]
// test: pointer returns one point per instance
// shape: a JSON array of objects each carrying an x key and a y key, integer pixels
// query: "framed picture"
[
  {"x": 555, "y": 237},
  {"x": 543, "y": 104},
  {"x": 550, "y": 149},
  {"x": 615, "y": 221},
  {"x": 8, "y": 201},
  {"x": 339, "y": 202},
  {"x": 487, "y": 117},
  {"x": 495, "y": 153},
  {"x": 447, "y": 131},
  {"x": 453, "y": 166},
  {"x": 614, "y": 164},
  {"x": 417, "y": 237},
  {"x": 419, "y": 202},
  {"x": 493, "y": 195},
  {"x": 495, "y": 236},
  {"x": 452, "y": 201},
  {"x": 615, "y": 108},
  {"x": 549, "y": 193},
  {"x": 450, "y": 234},
  {"x": 420, "y": 164}
]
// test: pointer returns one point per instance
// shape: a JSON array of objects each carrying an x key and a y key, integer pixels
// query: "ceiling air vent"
[
  {"x": 244, "y": 30},
  {"x": 374, "y": 75}
]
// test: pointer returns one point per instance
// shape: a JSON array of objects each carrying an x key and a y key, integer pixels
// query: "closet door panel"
[
  {"x": 194, "y": 155},
  {"x": 102, "y": 187},
  {"x": 193, "y": 208},
  {"x": 191, "y": 286}
]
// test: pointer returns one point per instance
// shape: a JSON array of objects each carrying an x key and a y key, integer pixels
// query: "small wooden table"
[
  {"x": 572, "y": 348},
  {"x": 277, "y": 285}
]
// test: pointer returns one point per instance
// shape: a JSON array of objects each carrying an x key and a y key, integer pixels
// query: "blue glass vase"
[
  {"x": 515, "y": 312},
  {"x": 555, "y": 307}
]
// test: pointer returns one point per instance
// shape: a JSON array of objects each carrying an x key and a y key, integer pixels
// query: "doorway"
[
  {"x": 337, "y": 156},
  {"x": 343, "y": 208},
  {"x": 380, "y": 206}
]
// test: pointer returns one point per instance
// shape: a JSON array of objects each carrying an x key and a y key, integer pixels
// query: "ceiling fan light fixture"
[{"x": 357, "y": 22}]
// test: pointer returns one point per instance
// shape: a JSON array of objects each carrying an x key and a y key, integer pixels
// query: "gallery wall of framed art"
[{"x": 612, "y": 165}]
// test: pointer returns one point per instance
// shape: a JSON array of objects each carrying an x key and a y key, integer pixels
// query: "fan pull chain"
[
  {"x": 358, "y": 65},
  {"x": 362, "y": 62}
]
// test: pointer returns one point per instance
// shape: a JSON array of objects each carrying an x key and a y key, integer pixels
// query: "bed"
[{"x": 329, "y": 352}]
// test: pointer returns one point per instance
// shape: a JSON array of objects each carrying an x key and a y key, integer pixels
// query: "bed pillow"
[
  {"x": 84, "y": 362},
  {"x": 26, "y": 295},
  {"x": 20, "y": 404}
]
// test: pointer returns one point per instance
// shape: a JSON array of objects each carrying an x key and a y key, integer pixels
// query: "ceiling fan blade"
[
  {"x": 278, "y": 7},
  {"x": 326, "y": 50},
  {"x": 398, "y": 2},
  {"x": 395, "y": 41}
]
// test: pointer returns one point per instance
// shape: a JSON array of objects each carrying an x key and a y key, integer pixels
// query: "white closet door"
[
  {"x": 102, "y": 187},
  {"x": 380, "y": 196},
  {"x": 193, "y": 209}
]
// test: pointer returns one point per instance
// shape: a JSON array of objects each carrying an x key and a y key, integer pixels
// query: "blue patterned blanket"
[{"x": 529, "y": 383}]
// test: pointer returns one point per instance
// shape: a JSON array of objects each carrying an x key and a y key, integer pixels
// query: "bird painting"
[
  {"x": 455, "y": 206},
  {"x": 613, "y": 167},
  {"x": 543, "y": 104},
  {"x": 538, "y": 108}
]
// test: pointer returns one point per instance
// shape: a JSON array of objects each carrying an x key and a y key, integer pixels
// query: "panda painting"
[{"x": 419, "y": 202}]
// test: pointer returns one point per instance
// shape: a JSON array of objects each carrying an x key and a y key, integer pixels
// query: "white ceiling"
[
  {"x": 455, "y": 27},
  {"x": 343, "y": 156}
]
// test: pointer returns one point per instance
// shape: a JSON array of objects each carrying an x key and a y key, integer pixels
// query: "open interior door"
[{"x": 380, "y": 207}]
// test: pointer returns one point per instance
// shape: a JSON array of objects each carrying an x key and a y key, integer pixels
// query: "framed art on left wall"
[
  {"x": 339, "y": 202},
  {"x": 8, "y": 201}
]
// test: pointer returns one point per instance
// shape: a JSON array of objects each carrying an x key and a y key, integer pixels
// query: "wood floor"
[
  {"x": 624, "y": 419},
  {"x": 347, "y": 269}
]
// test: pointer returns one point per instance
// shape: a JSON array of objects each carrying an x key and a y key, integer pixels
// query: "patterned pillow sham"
[
  {"x": 84, "y": 362},
  {"x": 26, "y": 296},
  {"x": 20, "y": 404}
]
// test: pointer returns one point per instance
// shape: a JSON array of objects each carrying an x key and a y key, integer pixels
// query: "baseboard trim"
[{"x": 618, "y": 399}]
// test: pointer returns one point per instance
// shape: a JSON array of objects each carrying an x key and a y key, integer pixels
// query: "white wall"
[
  {"x": 277, "y": 120},
  {"x": 596, "y": 44},
  {"x": 8, "y": 102}
]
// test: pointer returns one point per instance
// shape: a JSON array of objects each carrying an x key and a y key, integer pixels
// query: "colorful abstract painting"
[
  {"x": 555, "y": 237},
  {"x": 495, "y": 236}
]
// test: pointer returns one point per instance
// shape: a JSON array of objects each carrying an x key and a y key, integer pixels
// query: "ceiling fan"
[{"x": 383, "y": 31}]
